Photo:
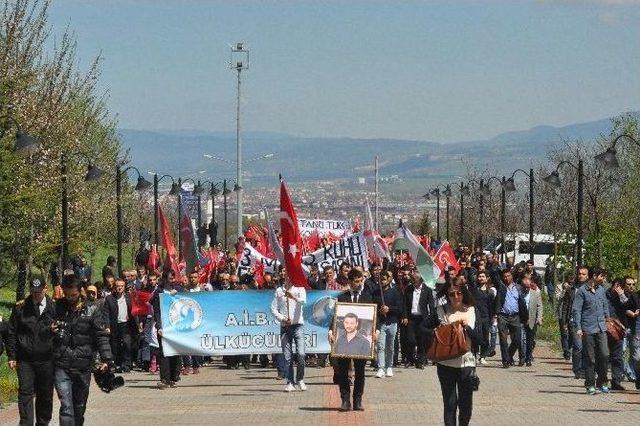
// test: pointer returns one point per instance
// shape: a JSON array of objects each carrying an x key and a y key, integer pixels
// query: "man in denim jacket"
[{"x": 589, "y": 314}]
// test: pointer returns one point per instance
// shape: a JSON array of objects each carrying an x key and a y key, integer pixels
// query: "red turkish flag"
[
  {"x": 140, "y": 305},
  {"x": 291, "y": 239},
  {"x": 167, "y": 242},
  {"x": 446, "y": 257},
  {"x": 154, "y": 259}
]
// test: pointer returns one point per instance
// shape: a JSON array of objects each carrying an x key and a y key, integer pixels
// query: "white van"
[{"x": 517, "y": 246}]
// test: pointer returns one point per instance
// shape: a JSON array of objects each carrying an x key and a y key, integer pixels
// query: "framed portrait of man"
[{"x": 354, "y": 327}]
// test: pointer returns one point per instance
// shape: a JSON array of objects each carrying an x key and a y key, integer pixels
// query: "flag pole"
[{"x": 285, "y": 292}]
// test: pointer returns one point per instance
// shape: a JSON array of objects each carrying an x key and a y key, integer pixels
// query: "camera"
[
  {"x": 107, "y": 381},
  {"x": 62, "y": 325}
]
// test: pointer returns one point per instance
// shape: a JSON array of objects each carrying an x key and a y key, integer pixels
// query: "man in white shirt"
[{"x": 286, "y": 306}]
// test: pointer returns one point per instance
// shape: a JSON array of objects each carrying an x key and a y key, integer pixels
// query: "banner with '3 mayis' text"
[{"x": 238, "y": 322}]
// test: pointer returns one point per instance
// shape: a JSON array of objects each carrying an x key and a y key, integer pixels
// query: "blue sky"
[{"x": 443, "y": 71}]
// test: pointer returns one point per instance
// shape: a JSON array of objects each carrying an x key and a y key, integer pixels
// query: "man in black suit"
[
  {"x": 357, "y": 293},
  {"x": 420, "y": 308},
  {"x": 122, "y": 325},
  {"x": 30, "y": 351}
]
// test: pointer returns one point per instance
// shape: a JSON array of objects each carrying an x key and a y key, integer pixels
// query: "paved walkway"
[{"x": 543, "y": 394}]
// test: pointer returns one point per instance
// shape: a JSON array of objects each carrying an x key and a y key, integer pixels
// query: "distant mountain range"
[{"x": 180, "y": 153}]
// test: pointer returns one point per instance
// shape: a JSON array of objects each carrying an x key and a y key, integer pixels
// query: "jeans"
[
  {"x": 616, "y": 356},
  {"x": 577, "y": 355},
  {"x": 278, "y": 359},
  {"x": 385, "y": 344},
  {"x": 457, "y": 394},
  {"x": 564, "y": 340},
  {"x": 596, "y": 359},
  {"x": 35, "y": 378},
  {"x": 289, "y": 335},
  {"x": 634, "y": 353},
  {"x": 494, "y": 337},
  {"x": 73, "y": 390},
  {"x": 342, "y": 376},
  {"x": 509, "y": 326}
]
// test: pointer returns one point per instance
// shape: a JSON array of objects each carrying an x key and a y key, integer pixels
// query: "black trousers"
[
  {"x": 616, "y": 359},
  {"x": 484, "y": 325},
  {"x": 509, "y": 326},
  {"x": 342, "y": 376},
  {"x": 530, "y": 334},
  {"x": 416, "y": 342},
  {"x": 121, "y": 345},
  {"x": 35, "y": 378},
  {"x": 169, "y": 366},
  {"x": 596, "y": 358},
  {"x": 457, "y": 394}
]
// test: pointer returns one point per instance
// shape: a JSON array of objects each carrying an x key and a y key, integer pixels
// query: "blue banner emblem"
[{"x": 238, "y": 322}]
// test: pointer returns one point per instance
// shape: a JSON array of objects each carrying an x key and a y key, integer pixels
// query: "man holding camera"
[
  {"x": 29, "y": 349},
  {"x": 78, "y": 331}
]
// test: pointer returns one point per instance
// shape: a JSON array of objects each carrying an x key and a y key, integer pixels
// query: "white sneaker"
[
  {"x": 483, "y": 361},
  {"x": 380, "y": 374},
  {"x": 302, "y": 386},
  {"x": 389, "y": 372},
  {"x": 289, "y": 387}
]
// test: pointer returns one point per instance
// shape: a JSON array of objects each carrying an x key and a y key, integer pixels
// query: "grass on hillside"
[
  {"x": 8, "y": 378},
  {"x": 549, "y": 330}
]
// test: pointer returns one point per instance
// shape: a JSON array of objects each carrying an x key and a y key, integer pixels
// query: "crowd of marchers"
[{"x": 56, "y": 337}]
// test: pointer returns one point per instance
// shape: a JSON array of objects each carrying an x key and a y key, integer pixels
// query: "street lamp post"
[
  {"x": 464, "y": 191},
  {"x": 174, "y": 191},
  {"x": 213, "y": 191},
  {"x": 486, "y": 190},
  {"x": 241, "y": 56},
  {"x": 481, "y": 215},
  {"x": 609, "y": 160},
  {"x": 141, "y": 185},
  {"x": 481, "y": 209},
  {"x": 510, "y": 186},
  {"x": 25, "y": 144},
  {"x": 93, "y": 173},
  {"x": 447, "y": 193},
  {"x": 225, "y": 192},
  {"x": 554, "y": 180}
]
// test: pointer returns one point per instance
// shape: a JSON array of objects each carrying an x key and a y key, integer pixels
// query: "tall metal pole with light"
[
  {"x": 375, "y": 214},
  {"x": 609, "y": 160},
  {"x": 25, "y": 146},
  {"x": 486, "y": 189},
  {"x": 225, "y": 193},
  {"x": 174, "y": 191},
  {"x": 213, "y": 191},
  {"x": 239, "y": 61},
  {"x": 510, "y": 186},
  {"x": 141, "y": 185},
  {"x": 464, "y": 191},
  {"x": 447, "y": 193},
  {"x": 554, "y": 180}
]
